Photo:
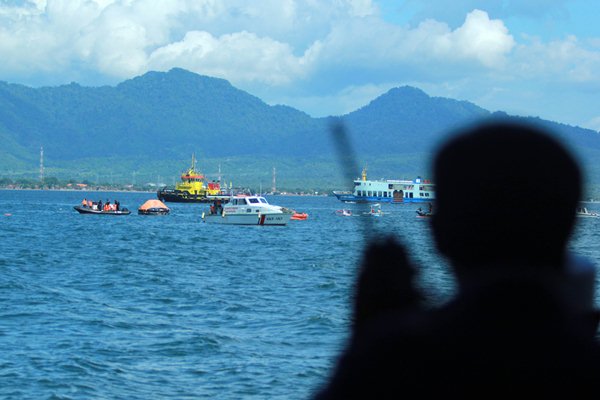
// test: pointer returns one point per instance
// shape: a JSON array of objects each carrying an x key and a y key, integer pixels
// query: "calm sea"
[{"x": 150, "y": 307}]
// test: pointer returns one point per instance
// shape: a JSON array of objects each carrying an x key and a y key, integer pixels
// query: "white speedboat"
[
  {"x": 247, "y": 210},
  {"x": 583, "y": 212}
]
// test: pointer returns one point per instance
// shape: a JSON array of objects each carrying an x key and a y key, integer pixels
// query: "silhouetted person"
[
  {"x": 382, "y": 287},
  {"x": 522, "y": 321}
]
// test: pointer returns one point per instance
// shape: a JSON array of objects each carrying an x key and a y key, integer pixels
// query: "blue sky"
[{"x": 526, "y": 57}]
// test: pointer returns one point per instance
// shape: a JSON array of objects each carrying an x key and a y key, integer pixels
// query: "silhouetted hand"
[{"x": 385, "y": 282}]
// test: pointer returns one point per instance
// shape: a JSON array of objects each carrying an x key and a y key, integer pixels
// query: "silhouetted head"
[{"x": 506, "y": 193}]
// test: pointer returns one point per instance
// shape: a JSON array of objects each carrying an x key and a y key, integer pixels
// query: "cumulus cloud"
[
  {"x": 234, "y": 39},
  {"x": 313, "y": 51},
  {"x": 485, "y": 40},
  {"x": 240, "y": 56},
  {"x": 542, "y": 10},
  {"x": 373, "y": 44},
  {"x": 566, "y": 60},
  {"x": 267, "y": 41}
]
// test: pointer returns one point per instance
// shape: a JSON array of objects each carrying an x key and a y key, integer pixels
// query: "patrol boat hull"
[{"x": 247, "y": 210}]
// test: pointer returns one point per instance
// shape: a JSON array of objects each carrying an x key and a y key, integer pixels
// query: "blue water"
[{"x": 140, "y": 307}]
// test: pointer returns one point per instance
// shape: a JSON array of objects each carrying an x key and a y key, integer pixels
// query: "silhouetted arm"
[{"x": 385, "y": 282}]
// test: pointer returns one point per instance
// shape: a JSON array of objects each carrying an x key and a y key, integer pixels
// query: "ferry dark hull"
[
  {"x": 176, "y": 196},
  {"x": 351, "y": 198}
]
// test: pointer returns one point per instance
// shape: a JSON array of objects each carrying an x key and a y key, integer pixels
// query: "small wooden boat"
[
  {"x": 375, "y": 211},
  {"x": 423, "y": 214},
  {"x": 344, "y": 212},
  {"x": 299, "y": 216},
  {"x": 87, "y": 210}
]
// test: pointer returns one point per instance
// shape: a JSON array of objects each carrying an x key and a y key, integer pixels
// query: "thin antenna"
[
  {"x": 274, "y": 188},
  {"x": 347, "y": 159},
  {"x": 42, "y": 167}
]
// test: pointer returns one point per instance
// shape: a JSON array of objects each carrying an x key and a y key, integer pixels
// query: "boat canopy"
[{"x": 153, "y": 203}]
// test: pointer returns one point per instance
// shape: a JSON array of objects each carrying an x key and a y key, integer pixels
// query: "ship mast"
[{"x": 274, "y": 187}]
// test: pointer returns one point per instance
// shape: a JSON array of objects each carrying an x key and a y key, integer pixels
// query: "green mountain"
[{"x": 146, "y": 129}]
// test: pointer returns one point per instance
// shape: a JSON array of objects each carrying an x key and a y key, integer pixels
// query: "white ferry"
[
  {"x": 388, "y": 191},
  {"x": 247, "y": 210}
]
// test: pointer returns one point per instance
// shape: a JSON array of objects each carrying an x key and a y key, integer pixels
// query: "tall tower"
[
  {"x": 274, "y": 187},
  {"x": 42, "y": 167}
]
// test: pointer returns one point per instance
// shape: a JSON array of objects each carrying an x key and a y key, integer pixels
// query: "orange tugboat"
[{"x": 193, "y": 188}]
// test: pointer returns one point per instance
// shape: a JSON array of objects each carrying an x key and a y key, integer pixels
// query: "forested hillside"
[{"x": 147, "y": 128}]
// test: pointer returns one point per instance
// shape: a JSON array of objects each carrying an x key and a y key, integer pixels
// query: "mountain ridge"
[{"x": 151, "y": 124}]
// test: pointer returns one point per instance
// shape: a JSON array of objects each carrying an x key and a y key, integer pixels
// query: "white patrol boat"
[
  {"x": 247, "y": 210},
  {"x": 583, "y": 212},
  {"x": 388, "y": 191}
]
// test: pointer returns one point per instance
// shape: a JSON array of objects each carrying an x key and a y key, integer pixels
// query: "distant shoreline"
[
  {"x": 148, "y": 191},
  {"x": 79, "y": 190}
]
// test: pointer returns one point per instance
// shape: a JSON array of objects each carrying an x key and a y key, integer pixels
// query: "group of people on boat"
[
  {"x": 376, "y": 210},
  {"x": 427, "y": 213},
  {"x": 216, "y": 207},
  {"x": 107, "y": 206}
]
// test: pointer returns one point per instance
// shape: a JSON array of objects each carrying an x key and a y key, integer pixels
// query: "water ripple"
[{"x": 141, "y": 307}]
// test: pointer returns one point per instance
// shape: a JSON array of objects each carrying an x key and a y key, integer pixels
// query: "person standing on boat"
[{"x": 84, "y": 203}]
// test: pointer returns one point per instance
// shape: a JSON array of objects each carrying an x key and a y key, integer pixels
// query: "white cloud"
[
  {"x": 431, "y": 48},
  {"x": 307, "y": 51},
  {"x": 485, "y": 40},
  {"x": 559, "y": 61},
  {"x": 239, "y": 57},
  {"x": 453, "y": 14},
  {"x": 125, "y": 38},
  {"x": 362, "y": 8},
  {"x": 594, "y": 123}
]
